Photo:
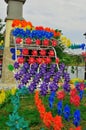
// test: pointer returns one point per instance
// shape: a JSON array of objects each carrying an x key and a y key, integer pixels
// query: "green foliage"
[
  {"x": 27, "y": 109},
  {"x": 17, "y": 122}
]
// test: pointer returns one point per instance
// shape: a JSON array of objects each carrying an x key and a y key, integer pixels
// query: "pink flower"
[{"x": 82, "y": 86}]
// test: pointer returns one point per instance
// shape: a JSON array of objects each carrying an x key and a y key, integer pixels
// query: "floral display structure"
[{"x": 38, "y": 68}]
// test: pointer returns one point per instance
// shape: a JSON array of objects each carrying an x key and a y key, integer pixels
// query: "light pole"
[{"x": 85, "y": 61}]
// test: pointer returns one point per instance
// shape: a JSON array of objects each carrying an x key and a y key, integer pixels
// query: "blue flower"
[
  {"x": 76, "y": 119},
  {"x": 81, "y": 92},
  {"x": 51, "y": 99},
  {"x": 66, "y": 112},
  {"x": 59, "y": 107}
]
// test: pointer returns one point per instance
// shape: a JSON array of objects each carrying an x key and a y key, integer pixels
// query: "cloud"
[{"x": 67, "y": 15}]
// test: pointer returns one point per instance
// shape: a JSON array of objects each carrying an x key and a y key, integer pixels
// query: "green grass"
[{"x": 29, "y": 112}]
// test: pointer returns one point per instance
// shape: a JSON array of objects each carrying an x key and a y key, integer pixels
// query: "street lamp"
[{"x": 85, "y": 61}]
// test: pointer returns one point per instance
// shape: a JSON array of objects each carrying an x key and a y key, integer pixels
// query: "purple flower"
[
  {"x": 20, "y": 86},
  {"x": 34, "y": 66},
  {"x": 17, "y": 76},
  {"x": 53, "y": 86},
  {"x": 16, "y": 65},
  {"x": 32, "y": 87},
  {"x": 44, "y": 86},
  {"x": 24, "y": 80},
  {"x": 66, "y": 87},
  {"x": 28, "y": 76},
  {"x": 43, "y": 92},
  {"x": 26, "y": 65}
]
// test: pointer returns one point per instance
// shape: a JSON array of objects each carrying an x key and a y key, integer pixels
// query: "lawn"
[{"x": 29, "y": 111}]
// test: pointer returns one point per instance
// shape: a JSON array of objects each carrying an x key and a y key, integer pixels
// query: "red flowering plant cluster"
[
  {"x": 40, "y": 53},
  {"x": 47, "y": 118},
  {"x": 25, "y": 32},
  {"x": 30, "y": 41},
  {"x": 61, "y": 94},
  {"x": 78, "y": 128},
  {"x": 40, "y": 39},
  {"x": 74, "y": 97}
]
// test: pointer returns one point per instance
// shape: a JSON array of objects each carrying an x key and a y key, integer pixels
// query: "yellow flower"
[
  {"x": 68, "y": 43},
  {"x": 18, "y": 52},
  {"x": 63, "y": 38},
  {"x": 13, "y": 90},
  {"x": 28, "y": 27},
  {"x": 1, "y": 42},
  {"x": 65, "y": 41},
  {"x": 25, "y": 28},
  {"x": 19, "y": 26},
  {"x": 76, "y": 80},
  {"x": 2, "y": 96},
  {"x": 33, "y": 28}
]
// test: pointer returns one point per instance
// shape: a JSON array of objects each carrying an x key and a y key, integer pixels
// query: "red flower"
[
  {"x": 57, "y": 60},
  {"x": 15, "y": 23},
  {"x": 75, "y": 100},
  {"x": 57, "y": 123},
  {"x": 54, "y": 43},
  {"x": 31, "y": 60},
  {"x": 18, "y": 40},
  {"x": 71, "y": 129},
  {"x": 77, "y": 128},
  {"x": 71, "y": 100},
  {"x": 83, "y": 54},
  {"x": 25, "y": 51},
  {"x": 48, "y": 119},
  {"x": 39, "y": 60},
  {"x": 51, "y": 53},
  {"x": 73, "y": 92},
  {"x": 57, "y": 34},
  {"x": 46, "y": 42},
  {"x": 47, "y": 60},
  {"x": 42, "y": 53},
  {"x": 38, "y": 42},
  {"x": 42, "y": 111},
  {"x": 60, "y": 95},
  {"x": 20, "y": 60},
  {"x": 39, "y": 28},
  {"x": 28, "y": 41},
  {"x": 34, "y": 53}
]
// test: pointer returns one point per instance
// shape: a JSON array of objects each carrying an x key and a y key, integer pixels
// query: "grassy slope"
[{"x": 29, "y": 112}]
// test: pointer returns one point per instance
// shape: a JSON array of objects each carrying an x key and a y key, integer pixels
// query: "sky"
[{"x": 66, "y": 15}]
